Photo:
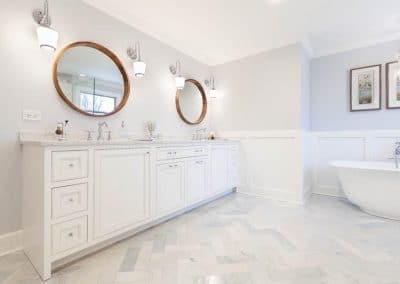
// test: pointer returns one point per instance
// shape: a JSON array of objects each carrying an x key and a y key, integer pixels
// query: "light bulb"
[
  {"x": 139, "y": 68},
  {"x": 180, "y": 82},
  {"x": 47, "y": 37},
  {"x": 213, "y": 93}
]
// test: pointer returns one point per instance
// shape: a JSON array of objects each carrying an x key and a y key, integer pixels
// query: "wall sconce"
[
  {"x": 139, "y": 67},
  {"x": 47, "y": 37},
  {"x": 212, "y": 92},
  {"x": 176, "y": 71}
]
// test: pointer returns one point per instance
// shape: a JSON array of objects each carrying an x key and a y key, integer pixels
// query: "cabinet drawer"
[
  {"x": 68, "y": 200},
  {"x": 69, "y": 165},
  {"x": 193, "y": 152},
  {"x": 68, "y": 235},
  {"x": 166, "y": 154}
]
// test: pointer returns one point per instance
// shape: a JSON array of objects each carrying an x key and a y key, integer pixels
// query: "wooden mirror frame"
[
  {"x": 108, "y": 53},
  {"x": 204, "y": 98}
]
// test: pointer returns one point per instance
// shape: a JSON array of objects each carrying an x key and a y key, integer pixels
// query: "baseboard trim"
[
  {"x": 273, "y": 198},
  {"x": 10, "y": 242},
  {"x": 329, "y": 195}
]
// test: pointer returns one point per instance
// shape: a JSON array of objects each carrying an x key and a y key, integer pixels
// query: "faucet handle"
[
  {"x": 89, "y": 135},
  {"x": 108, "y": 135}
]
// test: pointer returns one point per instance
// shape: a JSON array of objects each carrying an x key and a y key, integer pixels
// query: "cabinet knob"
[
  {"x": 71, "y": 200},
  {"x": 71, "y": 165},
  {"x": 70, "y": 235}
]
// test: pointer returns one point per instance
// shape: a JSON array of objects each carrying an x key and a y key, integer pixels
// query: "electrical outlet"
[{"x": 33, "y": 115}]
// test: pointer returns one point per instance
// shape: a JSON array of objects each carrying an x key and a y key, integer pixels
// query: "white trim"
[{"x": 10, "y": 242}]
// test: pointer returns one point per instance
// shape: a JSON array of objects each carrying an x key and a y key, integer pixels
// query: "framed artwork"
[
  {"x": 365, "y": 88},
  {"x": 393, "y": 85}
]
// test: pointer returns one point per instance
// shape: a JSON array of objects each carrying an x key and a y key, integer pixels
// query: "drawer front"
[
  {"x": 69, "y": 234},
  {"x": 193, "y": 152},
  {"x": 68, "y": 200},
  {"x": 166, "y": 154},
  {"x": 69, "y": 165}
]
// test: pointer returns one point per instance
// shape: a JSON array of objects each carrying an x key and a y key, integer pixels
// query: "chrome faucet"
[
  {"x": 200, "y": 134},
  {"x": 397, "y": 154},
  {"x": 100, "y": 130}
]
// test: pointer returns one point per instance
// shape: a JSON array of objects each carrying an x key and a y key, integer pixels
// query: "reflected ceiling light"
[
  {"x": 47, "y": 37},
  {"x": 139, "y": 66},
  {"x": 179, "y": 79},
  {"x": 212, "y": 92}
]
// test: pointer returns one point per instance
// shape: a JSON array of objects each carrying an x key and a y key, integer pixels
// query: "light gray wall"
[
  {"x": 26, "y": 82},
  {"x": 305, "y": 90},
  {"x": 261, "y": 92},
  {"x": 330, "y": 90}
]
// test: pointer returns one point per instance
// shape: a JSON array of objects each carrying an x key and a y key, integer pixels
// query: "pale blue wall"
[{"x": 330, "y": 90}]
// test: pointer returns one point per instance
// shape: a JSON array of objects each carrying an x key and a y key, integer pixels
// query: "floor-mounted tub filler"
[{"x": 373, "y": 186}]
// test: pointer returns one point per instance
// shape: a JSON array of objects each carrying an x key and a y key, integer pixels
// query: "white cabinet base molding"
[{"x": 79, "y": 198}]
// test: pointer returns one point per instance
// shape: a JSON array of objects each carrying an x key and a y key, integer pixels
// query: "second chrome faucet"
[{"x": 100, "y": 131}]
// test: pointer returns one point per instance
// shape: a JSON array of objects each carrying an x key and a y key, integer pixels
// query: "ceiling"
[{"x": 219, "y": 31}]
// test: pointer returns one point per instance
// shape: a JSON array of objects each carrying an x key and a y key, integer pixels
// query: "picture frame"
[
  {"x": 393, "y": 85},
  {"x": 365, "y": 88}
]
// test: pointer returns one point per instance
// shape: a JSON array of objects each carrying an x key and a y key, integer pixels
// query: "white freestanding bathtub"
[{"x": 373, "y": 186}]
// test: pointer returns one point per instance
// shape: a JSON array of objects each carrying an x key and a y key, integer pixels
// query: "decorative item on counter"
[
  {"x": 151, "y": 127},
  {"x": 212, "y": 136},
  {"x": 61, "y": 130}
]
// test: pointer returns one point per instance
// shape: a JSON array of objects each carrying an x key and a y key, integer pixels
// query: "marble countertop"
[{"x": 45, "y": 140}]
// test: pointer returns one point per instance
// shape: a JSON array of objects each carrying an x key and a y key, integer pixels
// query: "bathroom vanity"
[{"x": 81, "y": 196}]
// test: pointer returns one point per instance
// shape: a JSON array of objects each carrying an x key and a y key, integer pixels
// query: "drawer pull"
[
  {"x": 199, "y": 162},
  {"x": 70, "y": 235},
  {"x": 71, "y": 165},
  {"x": 71, "y": 200}
]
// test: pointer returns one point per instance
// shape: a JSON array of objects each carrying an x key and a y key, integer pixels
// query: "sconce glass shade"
[
  {"x": 213, "y": 93},
  {"x": 180, "y": 82},
  {"x": 139, "y": 68},
  {"x": 47, "y": 37}
]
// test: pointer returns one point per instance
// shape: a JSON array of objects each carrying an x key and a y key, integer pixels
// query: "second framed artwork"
[
  {"x": 365, "y": 88},
  {"x": 393, "y": 85}
]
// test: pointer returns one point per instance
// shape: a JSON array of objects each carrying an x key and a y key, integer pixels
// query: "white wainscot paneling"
[
  {"x": 347, "y": 145},
  {"x": 271, "y": 164}
]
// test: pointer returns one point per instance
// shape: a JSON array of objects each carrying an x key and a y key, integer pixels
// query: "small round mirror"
[
  {"x": 191, "y": 102},
  {"x": 91, "y": 79}
]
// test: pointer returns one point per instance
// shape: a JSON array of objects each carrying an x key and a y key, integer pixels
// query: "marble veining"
[{"x": 242, "y": 240}]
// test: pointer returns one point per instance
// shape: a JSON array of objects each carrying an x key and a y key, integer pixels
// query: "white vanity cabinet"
[
  {"x": 80, "y": 197},
  {"x": 170, "y": 187},
  {"x": 219, "y": 168},
  {"x": 121, "y": 189},
  {"x": 196, "y": 180}
]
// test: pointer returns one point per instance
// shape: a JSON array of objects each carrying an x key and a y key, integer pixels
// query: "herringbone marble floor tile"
[{"x": 242, "y": 240}]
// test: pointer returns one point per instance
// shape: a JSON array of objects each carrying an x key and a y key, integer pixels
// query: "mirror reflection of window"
[{"x": 97, "y": 104}]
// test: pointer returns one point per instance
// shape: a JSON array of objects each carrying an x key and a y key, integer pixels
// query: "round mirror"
[
  {"x": 91, "y": 79},
  {"x": 191, "y": 102}
]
